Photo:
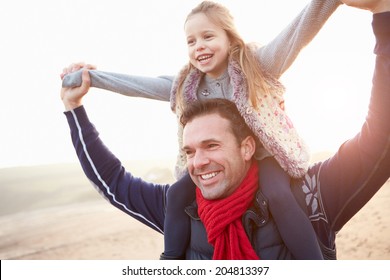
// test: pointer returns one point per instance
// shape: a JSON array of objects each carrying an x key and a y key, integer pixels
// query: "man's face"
[{"x": 216, "y": 162}]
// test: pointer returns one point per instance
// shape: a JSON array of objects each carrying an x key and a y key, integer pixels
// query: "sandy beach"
[{"x": 53, "y": 213}]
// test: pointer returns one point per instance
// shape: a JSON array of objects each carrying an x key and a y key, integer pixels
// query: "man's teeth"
[{"x": 209, "y": 176}]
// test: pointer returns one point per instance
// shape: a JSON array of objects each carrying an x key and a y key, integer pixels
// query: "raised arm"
[
  {"x": 361, "y": 166},
  {"x": 278, "y": 55},
  {"x": 142, "y": 200},
  {"x": 158, "y": 88}
]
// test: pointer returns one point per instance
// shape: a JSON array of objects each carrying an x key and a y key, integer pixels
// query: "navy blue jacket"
[{"x": 332, "y": 191}]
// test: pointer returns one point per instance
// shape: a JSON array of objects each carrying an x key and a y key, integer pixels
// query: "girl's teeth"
[{"x": 204, "y": 57}]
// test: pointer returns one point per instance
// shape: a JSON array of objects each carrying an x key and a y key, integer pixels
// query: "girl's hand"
[
  {"x": 72, "y": 97},
  {"x": 375, "y": 6},
  {"x": 75, "y": 67}
]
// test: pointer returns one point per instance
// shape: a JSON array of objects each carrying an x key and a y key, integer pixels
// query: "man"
[{"x": 229, "y": 218}]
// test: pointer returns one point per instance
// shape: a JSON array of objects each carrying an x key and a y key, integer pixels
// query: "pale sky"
[{"x": 327, "y": 88}]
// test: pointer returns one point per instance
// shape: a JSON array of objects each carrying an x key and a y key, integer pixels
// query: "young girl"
[{"x": 223, "y": 66}]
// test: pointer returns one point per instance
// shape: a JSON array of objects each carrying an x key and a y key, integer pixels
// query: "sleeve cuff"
[{"x": 78, "y": 114}]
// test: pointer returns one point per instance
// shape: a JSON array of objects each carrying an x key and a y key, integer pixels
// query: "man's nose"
[{"x": 200, "y": 160}]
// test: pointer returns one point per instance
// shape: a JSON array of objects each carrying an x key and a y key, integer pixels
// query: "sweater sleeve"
[
  {"x": 142, "y": 200},
  {"x": 278, "y": 55},
  {"x": 158, "y": 88},
  {"x": 361, "y": 166}
]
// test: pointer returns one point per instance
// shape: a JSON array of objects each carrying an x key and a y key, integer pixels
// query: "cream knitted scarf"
[{"x": 268, "y": 121}]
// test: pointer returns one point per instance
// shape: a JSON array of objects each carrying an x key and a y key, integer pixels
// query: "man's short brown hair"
[{"x": 224, "y": 108}]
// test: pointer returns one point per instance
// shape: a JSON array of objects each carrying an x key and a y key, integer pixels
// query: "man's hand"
[
  {"x": 375, "y": 6},
  {"x": 72, "y": 97}
]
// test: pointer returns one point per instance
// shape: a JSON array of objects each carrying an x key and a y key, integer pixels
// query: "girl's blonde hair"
[{"x": 243, "y": 53}]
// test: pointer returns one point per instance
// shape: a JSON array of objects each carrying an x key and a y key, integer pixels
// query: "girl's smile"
[{"x": 204, "y": 59}]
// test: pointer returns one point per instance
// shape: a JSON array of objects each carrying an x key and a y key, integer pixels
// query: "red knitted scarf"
[{"x": 222, "y": 219}]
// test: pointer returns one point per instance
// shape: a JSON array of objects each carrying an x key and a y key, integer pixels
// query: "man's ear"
[{"x": 248, "y": 147}]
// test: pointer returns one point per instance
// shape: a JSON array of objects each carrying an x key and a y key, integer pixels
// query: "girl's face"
[{"x": 208, "y": 45}]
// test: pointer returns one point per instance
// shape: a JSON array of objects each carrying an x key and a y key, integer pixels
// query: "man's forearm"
[
  {"x": 361, "y": 166},
  {"x": 142, "y": 200}
]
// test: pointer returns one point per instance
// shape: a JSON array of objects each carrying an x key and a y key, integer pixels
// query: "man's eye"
[
  {"x": 212, "y": 146},
  {"x": 189, "y": 153}
]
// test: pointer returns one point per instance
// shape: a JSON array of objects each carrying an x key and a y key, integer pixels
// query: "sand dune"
[{"x": 52, "y": 212}]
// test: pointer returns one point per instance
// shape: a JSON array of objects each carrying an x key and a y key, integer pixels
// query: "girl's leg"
[
  {"x": 177, "y": 224},
  {"x": 293, "y": 224}
]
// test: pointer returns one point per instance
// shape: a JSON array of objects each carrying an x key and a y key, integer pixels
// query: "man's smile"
[{"x": 209, "y": 176}]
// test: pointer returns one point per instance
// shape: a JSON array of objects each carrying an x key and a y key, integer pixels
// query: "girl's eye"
[{"x": 190, "y": 42}]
